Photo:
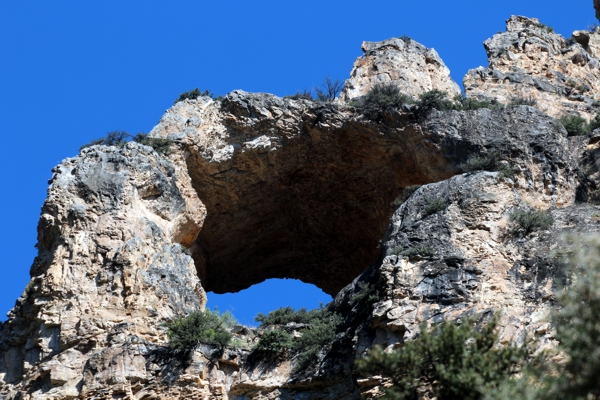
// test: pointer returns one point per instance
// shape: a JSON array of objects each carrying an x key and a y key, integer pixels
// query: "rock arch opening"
[
  {"x": 268, "y": 296},
  {"x": 306, "y": 195}
]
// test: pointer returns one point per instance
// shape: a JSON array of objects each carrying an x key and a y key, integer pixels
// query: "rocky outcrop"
[
  {"x": 110, "y": 268},
  {"x": 261, "y": 187},
  {"x": 401, "y": 61},
  {"x": 463, "y": 260},
  {"x": 530, "y": 61}
]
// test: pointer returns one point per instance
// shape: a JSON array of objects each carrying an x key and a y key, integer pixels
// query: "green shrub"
[
  {"x": 119, "y": 138},
  {"x": 506, "y": 171},
  {"x": 487, "y": 162},
  {"x": 433, "y": 99},
  {"x": 474, "y": 104},
  {"x": 530, "y": 220},
  {"x": 206, "y": 327},
  {"x": 449, "y": 361},
  {"x": 423, "y": 250},
  {"x": 397, "y": 250},
  {"x": 319, "y": 330},
  {"x": 594, "y": 123},
  {"x": 114, "y": 138},
  {"x": 576, "y": 317},
  {"x": 575, "y": 125},
  {"x": 577, "y": 321},
  {"x": 286, "y": 315},
  {"x": 522, "y": 101},
  {"x": 317, "y": 336},
  {"x": 406, "y": 193},
  {"x": 303, "y": 95},
  {"x": 274, "y": 342},
  {"x": 193, "y": 94},
  {"x": 161, "y": 145},
  {"x": 329, "y": 89},
  {"x": 470, "y": 103},
  {"x": 366, "y": 291},
  {"x": 385, "y": 95},
  {"x": 434, "y": 204}
]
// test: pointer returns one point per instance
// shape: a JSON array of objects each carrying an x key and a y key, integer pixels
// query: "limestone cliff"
[
  {"x": 530, "y": 61},
  {"x": 261, "y": 187}
]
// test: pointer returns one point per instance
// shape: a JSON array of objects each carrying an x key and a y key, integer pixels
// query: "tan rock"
[
  {"x": 529, "y": 61},
  {"x": 401, "y": 61}
]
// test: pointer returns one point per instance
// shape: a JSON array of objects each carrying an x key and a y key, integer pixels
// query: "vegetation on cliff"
[
  {"x": 453, "y": 360},
  {"x": 316, "y": 330},
  {"x": 120, "y": 138},
  {"x": 463, "y": 358},
  {"x": 207, "y": 327}
]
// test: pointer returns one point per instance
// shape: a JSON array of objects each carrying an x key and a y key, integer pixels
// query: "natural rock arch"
[{"x": 295, "y": 189}]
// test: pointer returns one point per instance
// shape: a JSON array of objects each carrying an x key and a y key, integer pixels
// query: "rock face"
[
  {"x": 529, "y": 61},
  {"x": 110, "y": 268},
  {"x": 321, "y": 233},
  {"x": 401, "y": 61},
  {"x": 260, "y": 187}
]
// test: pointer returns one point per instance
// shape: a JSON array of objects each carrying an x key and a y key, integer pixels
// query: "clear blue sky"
[{"x": 71, "y": 71}]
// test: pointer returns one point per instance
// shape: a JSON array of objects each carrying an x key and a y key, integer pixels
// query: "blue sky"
[{"x": 73, "y": 70}]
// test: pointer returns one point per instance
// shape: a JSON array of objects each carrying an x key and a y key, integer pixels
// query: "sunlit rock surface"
[
  {"x": 260, "y": 187},
  {"x": 414, "y": 68},
  {"x": 530, "y": 61}
]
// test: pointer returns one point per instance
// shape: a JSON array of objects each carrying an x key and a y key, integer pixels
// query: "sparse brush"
[
  {"x": 303, "y": 95},
  {"x": 329, "y": 89},
  {"x": 274, "y": 342},
  {"x": 161, "y": 145},
  {"x": 576, "y": 125},
  {"x": 470, "y": 103},
  {"x": 193, "y": 94},
  {"x": 423, "y": 250},
  {"x": 397, "y": 250},
  {"x": 114, "y": 138},
  {"x": 385, "y": 95},
  {"x": 208, "y": 327},
  {"x": 486, "y": 162},
  {"x": 530, "y": 220},
  {"x": 434, "y": 205},
  {"x": 506, "y": 171},
  {"x": 367, "y": 292},
  {"x": 433, "y": 99},
  {"x": 522, "y": 101}
]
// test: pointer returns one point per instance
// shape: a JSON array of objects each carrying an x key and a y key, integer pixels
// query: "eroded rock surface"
[
  {"x": 404, "y": 62},
  {"x": 110, "y": 268},
  {"x": 530, "y": 61},
  {"x": 261, "y": 187},
  {"x": 471, "y": 263},
  {"x": 287, "y": 184}
]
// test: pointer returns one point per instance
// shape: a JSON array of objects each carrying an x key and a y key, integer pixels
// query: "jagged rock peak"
[
  {"x": 530, "y": 61},
  {"x": 410, "y": 65}
]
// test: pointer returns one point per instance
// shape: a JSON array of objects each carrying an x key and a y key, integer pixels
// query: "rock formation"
[
  {"x": 261, "y": 187},
  {"x": 402, "y": 61},
  {"x": 530, "y": 61}
]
